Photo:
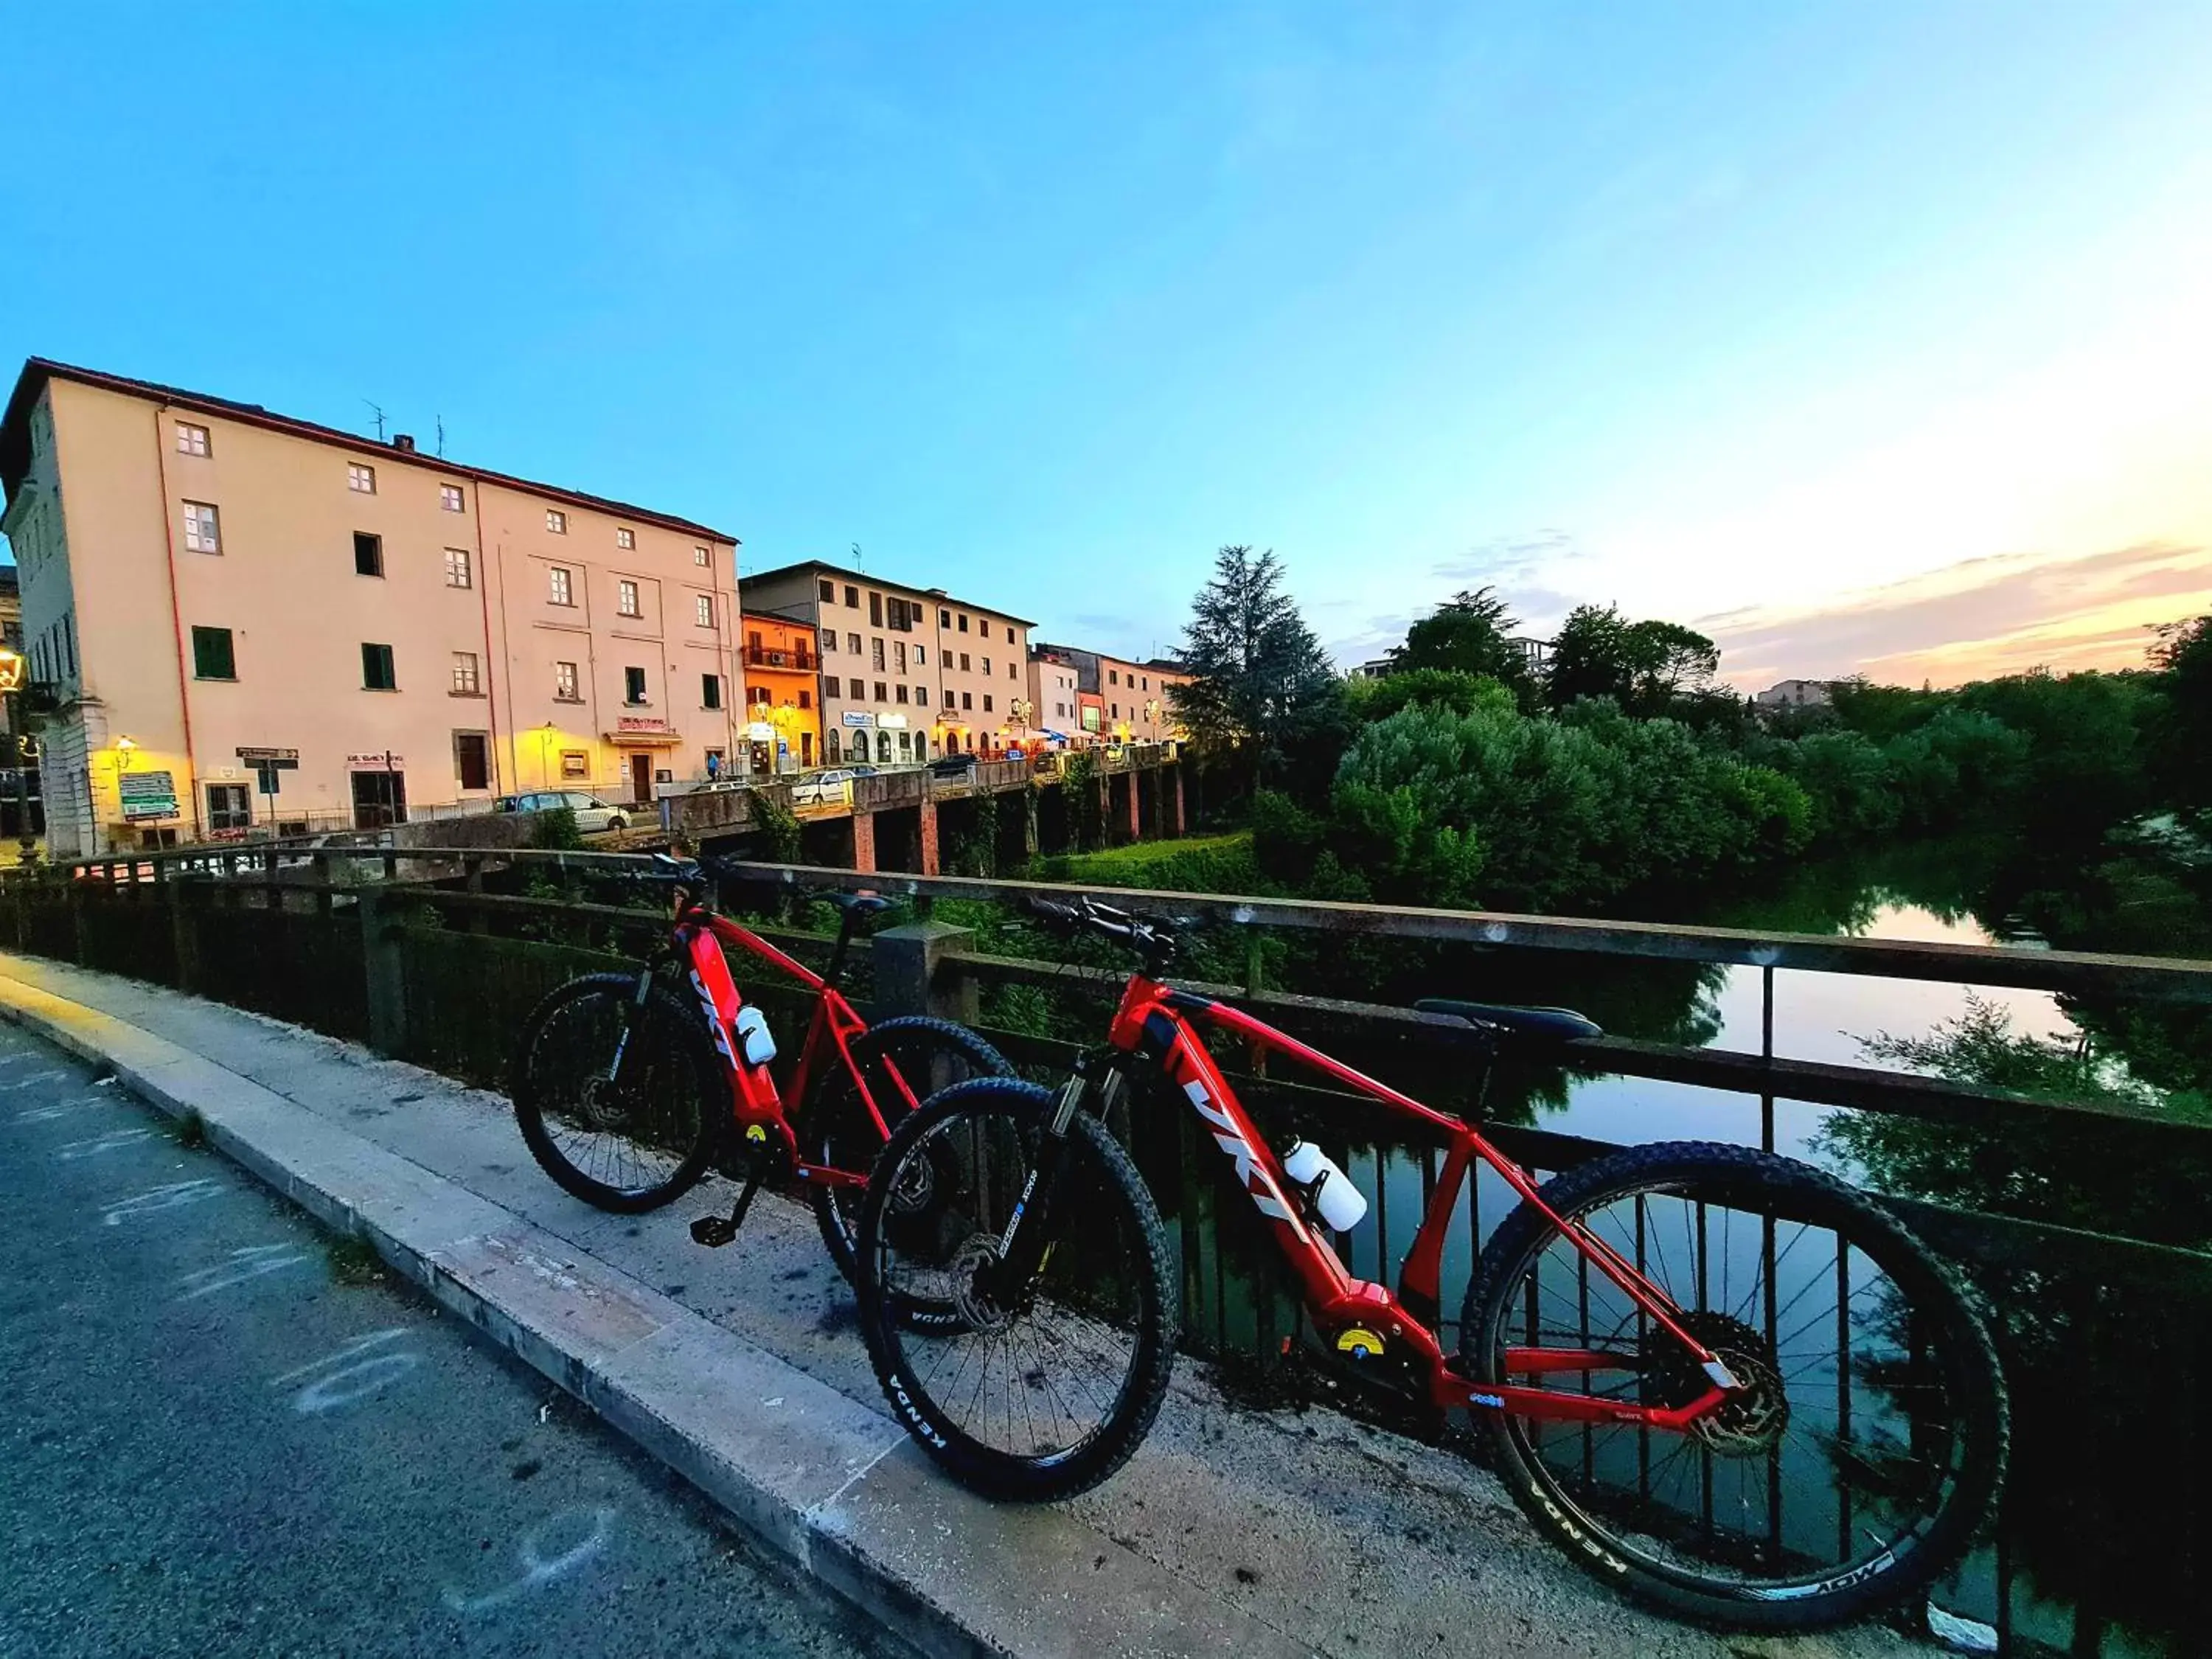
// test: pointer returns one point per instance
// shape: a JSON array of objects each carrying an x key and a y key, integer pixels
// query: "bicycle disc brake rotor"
[
  {"x": 972, "y": 1293},
  {"x": 913, "y": 1187},
  {"x": 1751, "y": 1420},
  {"x": 605, "y": 1104}
]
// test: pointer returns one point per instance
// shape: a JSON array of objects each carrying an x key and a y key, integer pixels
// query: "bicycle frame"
[
  {"x": 1153, "y": 1024},
  {"x": 699, "y": 937}
]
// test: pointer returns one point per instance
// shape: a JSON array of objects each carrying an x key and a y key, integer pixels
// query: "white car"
[
  {"x": 833, "y": 788},
  {"x": 592, "y": 814}
]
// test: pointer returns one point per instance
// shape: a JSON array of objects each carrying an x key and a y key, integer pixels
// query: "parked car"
[
  {"x": 592, "y": 814},
  {"x": 954, "y": 765},
  {"x": 832, "y": 786}
]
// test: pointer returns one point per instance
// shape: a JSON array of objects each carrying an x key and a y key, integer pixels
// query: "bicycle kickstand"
[{"x": 715, "y": 1231}]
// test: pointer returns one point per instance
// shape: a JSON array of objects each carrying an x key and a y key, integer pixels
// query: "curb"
[{"x": 833, "y": 1487}]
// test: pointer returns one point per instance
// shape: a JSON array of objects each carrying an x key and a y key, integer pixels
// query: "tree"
[
  {"x": 1467, "y": 634},
  {"x": 1261, "y": 684},
  {"x": 2183, "y": 657},
  {"x": 1644, "y": 667}
]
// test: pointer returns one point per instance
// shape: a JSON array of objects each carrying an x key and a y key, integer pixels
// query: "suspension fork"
[
  {"x": 1026, "y": 1244},
  {"x": 631, "y": 1015}
]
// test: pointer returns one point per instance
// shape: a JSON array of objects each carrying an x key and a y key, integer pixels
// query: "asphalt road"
[{"x": 220, "y": 1435}]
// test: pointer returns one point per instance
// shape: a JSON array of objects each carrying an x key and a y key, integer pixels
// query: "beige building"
[
  {"x": 908, "y": 673},
  {"x": 221, "y": 599},
  {"x": 1089, "y": 697}
]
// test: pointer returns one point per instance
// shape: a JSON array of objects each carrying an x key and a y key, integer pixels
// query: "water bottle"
[
  {"x": 1339, "y": 1203},
  {"x": 754, "y": 1040}
]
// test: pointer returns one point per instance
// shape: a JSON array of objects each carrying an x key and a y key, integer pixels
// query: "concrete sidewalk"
[{"x": 1231, "y": 1530}]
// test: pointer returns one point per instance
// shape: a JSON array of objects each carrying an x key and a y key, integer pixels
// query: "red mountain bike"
[
  {"x": 623, "y": 1084},
  {"x": 1719, "y": 1379}
]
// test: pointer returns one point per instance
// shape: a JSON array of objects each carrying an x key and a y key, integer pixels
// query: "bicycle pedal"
[{"x": 713, "y": 1231}]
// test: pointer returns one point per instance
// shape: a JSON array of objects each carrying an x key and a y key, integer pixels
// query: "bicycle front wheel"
[
  {"x": 616, "y": 1098},
  {"x": 1029, "y": 1391},
  {"x": 1856, "y": 1463}
]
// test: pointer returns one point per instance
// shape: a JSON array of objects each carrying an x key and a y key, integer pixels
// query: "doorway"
[
  {"x": 379, "y": 799},
  {"x": 640, "y": 779}
]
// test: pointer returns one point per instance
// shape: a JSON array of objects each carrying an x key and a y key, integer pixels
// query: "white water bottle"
[
  {"x": 1341, "y": 1204},
  {"x": 754, "y": 1039}
]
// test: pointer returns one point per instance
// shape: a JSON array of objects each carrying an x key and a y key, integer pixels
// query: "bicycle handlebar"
[{"x": 1153, "y": 939}]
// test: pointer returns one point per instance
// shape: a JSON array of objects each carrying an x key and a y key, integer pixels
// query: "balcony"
[{"x": 800, "y": 661}]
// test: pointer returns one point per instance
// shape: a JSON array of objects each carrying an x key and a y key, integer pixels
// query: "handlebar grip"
[{"x": 1052, "y": 911}]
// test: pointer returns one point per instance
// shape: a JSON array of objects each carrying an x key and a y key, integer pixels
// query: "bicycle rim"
[
  {"x": 630, "y": 1132},
  {"x": 1039, "y": 1380},
  {"x": 1860, "y": 1458}
]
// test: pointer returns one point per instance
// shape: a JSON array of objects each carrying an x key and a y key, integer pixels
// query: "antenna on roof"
[
  {"x": 377, "y": 410},
  {"x": 441, "y": 437}
]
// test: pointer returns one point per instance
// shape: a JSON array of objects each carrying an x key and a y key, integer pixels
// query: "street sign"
[
  {"x": 270, "y": 756},
  {"x": 12, "y": 665},
  {"x": 147, "y": 794}
]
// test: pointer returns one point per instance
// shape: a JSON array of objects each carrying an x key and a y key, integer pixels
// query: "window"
[
  {"x": 1113, "y": 678},
  {"x": 963, "y": 662},
  {"x": 376, "y": 673},
  {"x": 458, "y": 573},
  {"x": 564, "y": 682},
  {"x": 899, "y": 655},
  {"x": 964, "y": 622},
  {"x": 703, "y": 606},
  {"x": 828, "y": 641},
  {"x": 1145, "y": 683},
  {"x": 944, "y": 617},
  {"x": 948, "y": 697},
  {"x": 880, "y": 697},
  {"x": 202, "y": 533},
  {"x": 710, "y": 691},
  {"x": 563, "y": 592},
  {"x": 464, "y": 674},
  {"x": 368, "y": 554},
  {"x": 967, "y": 699},
  {"x": 191, "y": 439},
  {"x": 1011, "y": 673},
  {"x": 875, "y": 611},
  {"x": 626, "y": 597},
  {"x": 212, "y": 657},
  {"x": 829, "y": 591},
  {"x": 921, "y": 656},
  {"x": 625, "y": 539},
  {"x": 987, "y": 702},
  {"x": 986, "y": 668},
  {"x": 830, "y": 747},
  {"x": 702, "y": 557},
  {"x": 852, "y": 597},
  {"x": 805, "y": 699},
  {"x": 556, "y": 522},
  {"x": 829, "y": 686},
  {"x": 901, "y": 689},
  {"x": 450, "y": 498},
  {"x": 876, "y": 655},
  {"x": 473, "y": 759},
  {"x": 361, "y": 480},
  {"x": 1113, "y": 711},
  {"x": 634, "y": 685},
  {"x": 230, "y": 807},
  {"x": 576, "y": 764},
  {"x": 759, "y": 695},
  {"x": 853, "y": 643}
]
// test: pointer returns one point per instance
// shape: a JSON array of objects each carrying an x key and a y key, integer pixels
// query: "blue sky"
[{"x": 1790, "y": 320}]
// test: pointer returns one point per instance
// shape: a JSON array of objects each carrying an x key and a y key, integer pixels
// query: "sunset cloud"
[{"x": 1975, "y": 619}]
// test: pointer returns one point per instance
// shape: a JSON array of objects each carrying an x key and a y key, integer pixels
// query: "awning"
[{"x": 643, "y": 739}]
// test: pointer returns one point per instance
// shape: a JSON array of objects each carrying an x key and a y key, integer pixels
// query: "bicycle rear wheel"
[
  {"x": 901, "y": 1063},
  {"x": 1857, "y": 1463},
  {"x": 627, "y": 1140},
  {"x": 1035, "y": 1391}
]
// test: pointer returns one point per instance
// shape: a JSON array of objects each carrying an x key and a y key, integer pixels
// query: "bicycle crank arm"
[{"x": 715, "y": 1231}]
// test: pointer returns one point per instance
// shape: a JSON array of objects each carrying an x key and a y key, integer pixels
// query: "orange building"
[{"x": 783, "y": 692}]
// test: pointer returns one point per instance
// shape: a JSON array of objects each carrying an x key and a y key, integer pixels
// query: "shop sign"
[
  {"x": 860, "y": 717},
  {"x": 286, "y": 757},
  {"x": 384, "y": 763},
  {"x": 641, "y": 723},
  {"x": 761, "y": 731},
  {"x": 891, "y": 722},
  {"x": 147, "y": 794}
]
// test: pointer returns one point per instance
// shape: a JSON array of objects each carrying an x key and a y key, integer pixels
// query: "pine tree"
[{"x": 1260, "y": 682}]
